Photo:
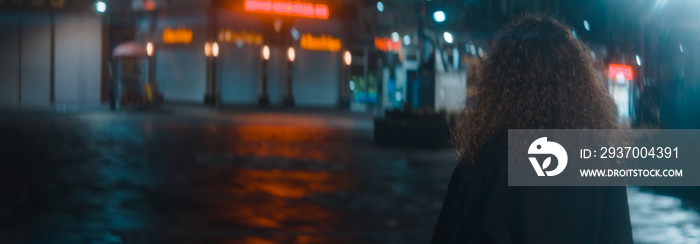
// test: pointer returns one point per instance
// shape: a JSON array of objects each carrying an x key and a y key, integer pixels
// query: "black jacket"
[{"x": 481, "y": 208}]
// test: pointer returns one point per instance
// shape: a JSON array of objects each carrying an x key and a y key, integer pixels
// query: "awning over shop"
[{"x": 129, "y": 49}]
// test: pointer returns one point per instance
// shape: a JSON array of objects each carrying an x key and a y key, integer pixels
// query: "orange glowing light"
[
  {"x": 179, "y": 35},
  {"x": 616, "y": 69},
  {"x": 320, "y": 43},
  {"x": 278, "y": 198},
  {"x": 290, "y": 8},
  {"x": 386, "y": 44},
  {"x": 207, "y": 49}
]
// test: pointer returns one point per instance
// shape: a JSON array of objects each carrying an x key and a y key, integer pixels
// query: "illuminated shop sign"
[
  {"x": 320, "y": 43},
  {"x": 244, "y": 37},
  {"x": 290, "y": 8},
  {"x": 179, "y": 35},
  {"x": 616, "y": 70},
  {"x": 386, "y": 44}
]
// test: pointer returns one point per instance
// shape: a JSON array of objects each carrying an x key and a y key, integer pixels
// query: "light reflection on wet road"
[
  {"x": 203, "y": 176},
  {"x": 662, "y": 219},
  {"x": 214, "y": 177}
]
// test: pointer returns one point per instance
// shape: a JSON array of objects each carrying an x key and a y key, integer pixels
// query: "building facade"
[
  {"x": 212, "y": 52},
  {"x": 51, "y": 52}
]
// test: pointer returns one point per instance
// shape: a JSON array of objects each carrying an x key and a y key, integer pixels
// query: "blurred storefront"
[
  {"x": 51, "y": 52},
  {"x": 212, "y": 51},
  {"x": 178, "y": 34},
  {"x": 318, "y": 69}
]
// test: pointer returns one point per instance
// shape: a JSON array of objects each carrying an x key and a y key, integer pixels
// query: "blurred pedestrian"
[{"x": 537, "y": 76}]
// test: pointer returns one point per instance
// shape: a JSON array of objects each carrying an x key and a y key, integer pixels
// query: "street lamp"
[
  {"x": 263, "y": 99},
  {"x": 395, "y": 37},
  {"x": 215, "y": 49},
  {"x": 211, "y": 51},
  {"x": 266, "y": 53},
  {"x": 448, "y": 37},
  {"x": 347, "y": 57},
  {"x": 288, "y": 96},
  {"x": 151, "y": 73},
  {"x": 639, "y": 60},
  {"x": 207, "y": 49},
  {"x": 406, "y": 40},
  {"x": 439, "y": 16},
  {"x": 346, "y": 96},
  {"x": 291, "y": 54},
  {"x": 101, "y": 6},
  {"x": 149, "y": 48}
]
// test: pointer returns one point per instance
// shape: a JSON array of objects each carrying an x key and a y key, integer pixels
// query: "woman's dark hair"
[{"x": 537, "y": 76}]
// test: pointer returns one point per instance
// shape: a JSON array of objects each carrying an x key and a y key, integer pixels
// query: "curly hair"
[{"x": 537, "y": 76}]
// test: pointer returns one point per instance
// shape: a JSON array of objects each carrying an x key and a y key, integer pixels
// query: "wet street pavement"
[
  {"x": 192, "y": 175},
  {"x": 202, "y": 176},
  {"x": 662, "y": 218}
]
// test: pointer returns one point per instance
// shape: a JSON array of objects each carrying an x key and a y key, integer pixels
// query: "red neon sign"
[
  {"x": 149, "y": 5},
  {"x": 618, "y": 69},
  {"x": 291, "y": 8},
  {"x": 386, "y": 44}
]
